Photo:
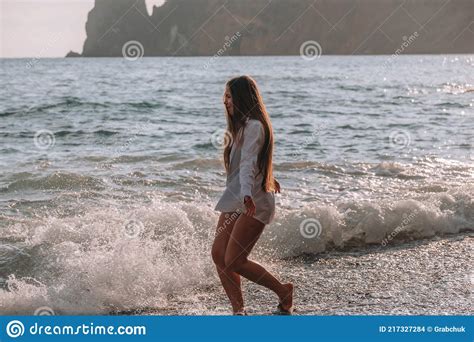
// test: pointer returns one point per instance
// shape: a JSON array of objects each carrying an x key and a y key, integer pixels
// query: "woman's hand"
[
  {"x": 277, "y": 186},
  {"x": 249, "y": 205}
]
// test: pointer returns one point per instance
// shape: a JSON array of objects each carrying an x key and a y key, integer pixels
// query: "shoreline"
[{"x": 436, "y": 280}]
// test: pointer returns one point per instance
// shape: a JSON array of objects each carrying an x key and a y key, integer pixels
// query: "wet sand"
[{"x": 428, "y": 277}]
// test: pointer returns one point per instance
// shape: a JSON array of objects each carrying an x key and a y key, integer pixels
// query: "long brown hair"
[{"x": 248, "y": 104}]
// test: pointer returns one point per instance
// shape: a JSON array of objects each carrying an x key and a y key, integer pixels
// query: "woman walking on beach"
[{"x": 248, "y": 202}]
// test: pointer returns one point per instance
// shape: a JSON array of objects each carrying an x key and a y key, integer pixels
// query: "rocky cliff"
[{"x": 280, "y": 27}]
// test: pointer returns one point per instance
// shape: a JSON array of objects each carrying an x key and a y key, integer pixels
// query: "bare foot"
[
  {"x": 238, "y": 310},
  {"x": 286, "y": 300},
  {"x": 240, "y": 313}
]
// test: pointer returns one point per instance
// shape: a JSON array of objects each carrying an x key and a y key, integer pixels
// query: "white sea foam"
[{"x": 91, "y": 264}]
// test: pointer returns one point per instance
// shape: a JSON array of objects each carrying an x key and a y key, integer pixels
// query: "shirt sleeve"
[{"x": 253, "y": 139}]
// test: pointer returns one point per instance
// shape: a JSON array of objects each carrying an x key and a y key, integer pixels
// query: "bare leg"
[
  {"x": 244, "y": 235},
  {"x": 229, "y": 279}
]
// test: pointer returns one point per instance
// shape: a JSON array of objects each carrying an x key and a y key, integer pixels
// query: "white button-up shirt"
[{"x": 242, "y": 179}]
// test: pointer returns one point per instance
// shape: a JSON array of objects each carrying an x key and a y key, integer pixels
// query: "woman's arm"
[{"x": 254, "y": 136}]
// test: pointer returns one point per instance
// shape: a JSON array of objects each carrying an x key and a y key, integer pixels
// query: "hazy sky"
[{"x": 45, "y": 28}]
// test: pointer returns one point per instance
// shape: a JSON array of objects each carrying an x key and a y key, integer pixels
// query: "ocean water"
[{"x": 111, "y": 168}]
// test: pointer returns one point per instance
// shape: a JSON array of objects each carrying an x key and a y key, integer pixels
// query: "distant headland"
[{"x": 279, "y": 27}]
